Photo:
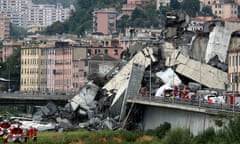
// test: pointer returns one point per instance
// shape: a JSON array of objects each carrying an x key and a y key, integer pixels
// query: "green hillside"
[{"x": 81, "y": 21}]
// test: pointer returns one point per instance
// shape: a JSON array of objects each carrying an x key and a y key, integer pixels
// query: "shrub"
[
  {"x": 205, "y": 137},
  {"x": 160, "y": 131},
  {"x": 178, "y": 136}
]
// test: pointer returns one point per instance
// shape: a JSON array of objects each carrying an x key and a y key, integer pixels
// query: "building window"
[
  {"x": 233, "y": 61},
  {"x": 115, "y": 52},
  {"x": 229, "y": 61},
  {"x": 236, "y": 60},
  {"x": 89, "y": 52},
  {"x": 105, "y": 51},
  {"x": 86, "y": 62},
  {"x": 85, "y": 74}
]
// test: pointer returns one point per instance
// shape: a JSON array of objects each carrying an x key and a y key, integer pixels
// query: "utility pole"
[{"x": 9, "y": 79}]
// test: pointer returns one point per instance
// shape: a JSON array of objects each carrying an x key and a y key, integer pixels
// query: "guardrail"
[
  {"x": 33, "y": 96},
  {"x": 189, "y": 102}
]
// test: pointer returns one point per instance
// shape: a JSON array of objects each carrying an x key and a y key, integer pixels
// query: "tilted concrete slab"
[
  {"x": 143, "y": 57},
  {"x": 175, "y": 57},
  {"x": 218, "y": 44},
  {"x": 200, "y": 72}
]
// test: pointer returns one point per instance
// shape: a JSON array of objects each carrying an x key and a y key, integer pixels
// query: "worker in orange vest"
[{"x": 32, "y": 133}]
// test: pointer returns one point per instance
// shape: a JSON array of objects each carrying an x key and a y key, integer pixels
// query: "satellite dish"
[{"x": 180, "y": 1}]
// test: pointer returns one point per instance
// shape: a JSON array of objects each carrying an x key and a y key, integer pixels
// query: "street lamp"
[{"x": 9, "y": 77}]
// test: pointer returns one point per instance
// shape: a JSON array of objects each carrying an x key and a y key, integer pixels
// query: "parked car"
[{"x": 214, "y": 99}]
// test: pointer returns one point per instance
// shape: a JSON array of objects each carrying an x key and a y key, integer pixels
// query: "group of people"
[
  {"x": 5, "y": 125},
  {"x": 15, "y": 132}
]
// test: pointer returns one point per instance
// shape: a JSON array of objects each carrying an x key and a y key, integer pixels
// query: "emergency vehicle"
[{"x": 233, "y": 98}]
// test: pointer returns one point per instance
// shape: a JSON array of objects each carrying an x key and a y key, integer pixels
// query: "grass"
[{"x": 97, "y": 137}]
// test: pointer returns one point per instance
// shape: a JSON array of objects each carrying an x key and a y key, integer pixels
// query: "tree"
[
  {"x": 151, "y": 15},
  {"x": 231, "y": 132},
  {"x": 206, "y": 11},
  {"x": 164, "y": 9},
  {"x": 56, "y": 27},
  {"x": 123, "y": 23},
  {"x": 205, "y": 137},
  {"x": 175, "y": 4},
  {"x": 138, "y": 22},
  {"x": 12, "y": 67},
  {"x": 17, "y": 32},
  {"x": 85, "y": 4},
  {"x": 191, "y": 7},
  {"x": 138, "y": 13}
]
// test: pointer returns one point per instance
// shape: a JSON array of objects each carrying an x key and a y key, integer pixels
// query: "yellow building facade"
[{"x": 234, "y": 69}]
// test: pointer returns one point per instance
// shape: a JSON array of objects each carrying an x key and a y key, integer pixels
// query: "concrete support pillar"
[{"x": 29, "y": 109}]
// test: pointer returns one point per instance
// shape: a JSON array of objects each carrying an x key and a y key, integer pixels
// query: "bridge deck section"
[{"x": 187, "y": 105}]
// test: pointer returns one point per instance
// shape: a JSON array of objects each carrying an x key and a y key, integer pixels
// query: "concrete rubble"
[
  {"x": 169, "y": 77},
  {"x": 173, "y": 60}
]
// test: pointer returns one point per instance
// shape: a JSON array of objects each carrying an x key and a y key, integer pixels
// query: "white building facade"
[{"x": 25, "y": 14}]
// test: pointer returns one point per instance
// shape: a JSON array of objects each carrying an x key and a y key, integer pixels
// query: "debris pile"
[{"x": 177, "y": 58}]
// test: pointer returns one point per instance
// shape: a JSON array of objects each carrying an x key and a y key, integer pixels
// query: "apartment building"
[
  {"x": 57, "y": 67},
  {"x": 222, "y": 8},
  {"x": 127, "y": 9},
  {"x": 225, "y": 10},
  {"x": 30, "y": 68},
  {"x": 16, "y": 10},
  {"x": 43, "y": 15},
  {"x": 4, "y": 26},
  {"x": 104, "y": 21},
  {"x": 63, "y": 67},
  {"x": 234, "y": 69},
  {"x": 25, "y": 14},
  {"x": 211, "y": 2},
  {"x": 80, "y": 68}
]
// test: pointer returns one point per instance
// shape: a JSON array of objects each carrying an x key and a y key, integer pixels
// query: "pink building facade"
[
  {"x": 58, "y": 67},
  {"x": 127, "y": 9},
  {"x": 50, "y": 71},
  {"x": 63, "y": 70},
  {"x": 104, "y": 21}
]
